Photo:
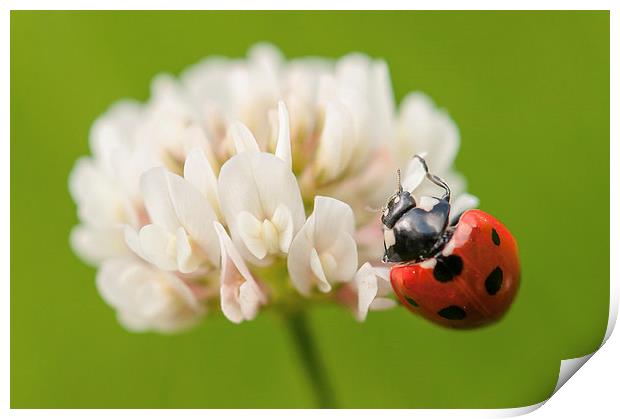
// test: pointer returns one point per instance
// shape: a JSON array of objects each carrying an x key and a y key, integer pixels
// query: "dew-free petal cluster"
[
  {"x": 262, "y": 204},
  {"x": 147, "y": 298},
  {"x": 324, "y": 252},
  {"x": 180, "y": 236}
]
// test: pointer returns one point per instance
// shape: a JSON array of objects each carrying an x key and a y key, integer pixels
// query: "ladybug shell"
[{"x": 471, "y": 282}]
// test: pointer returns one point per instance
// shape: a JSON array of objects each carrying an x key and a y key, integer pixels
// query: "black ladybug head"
[
  {"x": 415, "y": 232},
  {"x": 397, "y": 205}
]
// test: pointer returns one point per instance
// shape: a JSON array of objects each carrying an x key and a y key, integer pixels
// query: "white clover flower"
[
  {"x": 104, "y": 185},
  {"x": 241, "y": 295},
  {"x": 324, "y": 251},
  {"x": 372, "y": 285},
  {"x": 180, "y": 237},
  {"x": 242, "y": 169},
  {"x": 260, "y": 196},
  {"x": 147, "y": 298}
]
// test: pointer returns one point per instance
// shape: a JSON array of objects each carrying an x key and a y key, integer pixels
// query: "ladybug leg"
[
  {"x": 433, "y": 178},
  {"x": 445, "y": 237}
]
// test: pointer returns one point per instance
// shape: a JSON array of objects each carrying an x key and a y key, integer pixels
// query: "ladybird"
[{"x": 463, "y": 274}]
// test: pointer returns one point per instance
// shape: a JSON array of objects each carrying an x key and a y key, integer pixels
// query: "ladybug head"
[
  {"x": 413, "y": 232},
  {"x": 399, "y": 203}
]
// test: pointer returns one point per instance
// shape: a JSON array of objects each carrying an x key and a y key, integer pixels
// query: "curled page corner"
[
  {"x": 568, "y": 367},
  {"x": 518, "y": 411}
]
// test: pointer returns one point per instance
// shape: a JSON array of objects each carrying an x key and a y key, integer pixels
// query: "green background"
[{"x": 530, "y": 93}]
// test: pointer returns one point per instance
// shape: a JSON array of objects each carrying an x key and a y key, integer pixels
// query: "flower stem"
[{"x": 306, "y": 348}]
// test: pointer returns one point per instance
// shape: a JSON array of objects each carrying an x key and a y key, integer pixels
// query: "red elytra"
[{"x": 473, "y": 280}]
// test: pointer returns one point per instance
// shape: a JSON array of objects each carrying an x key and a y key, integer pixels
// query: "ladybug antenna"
[
  {"x": 435, "y": 179},
  {"x": 398, "y": 191}
]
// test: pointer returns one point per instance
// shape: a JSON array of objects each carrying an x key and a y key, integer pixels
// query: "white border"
[{"x": 577, "y": 395}]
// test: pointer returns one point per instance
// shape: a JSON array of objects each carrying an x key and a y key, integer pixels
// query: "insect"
[{"x": 463, "y": 274}]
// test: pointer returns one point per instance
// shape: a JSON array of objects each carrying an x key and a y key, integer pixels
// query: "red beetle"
[{"x": 462, "y": 275}]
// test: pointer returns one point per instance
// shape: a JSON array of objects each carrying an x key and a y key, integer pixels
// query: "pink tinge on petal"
[
  {"x": 370, "y": 233},
  {"x": 142, "y": 217},
  {"x": 369, "y": 240},
  {"x": 201, "y": 292},
  {"x": 241, "y": 295},
  {"x": 347, "y": 296}
]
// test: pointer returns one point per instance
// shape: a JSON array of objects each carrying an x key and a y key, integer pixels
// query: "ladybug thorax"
[{"x": 413, "y": 232}]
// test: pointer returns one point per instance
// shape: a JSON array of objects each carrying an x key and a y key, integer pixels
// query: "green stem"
[{"x": 297, "y": 322}]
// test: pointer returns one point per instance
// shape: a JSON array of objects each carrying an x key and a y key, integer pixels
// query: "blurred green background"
[{"x": 530, "y": 93}]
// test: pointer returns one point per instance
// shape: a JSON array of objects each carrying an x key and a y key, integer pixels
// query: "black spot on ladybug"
[
  {"x": 495, "y": 237},
  {"x": 411, "y": 302},
  {"x": 447, "y": 268},
  {"x": 452, "y": 313},
  {"x": 493, "y": 283}
]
